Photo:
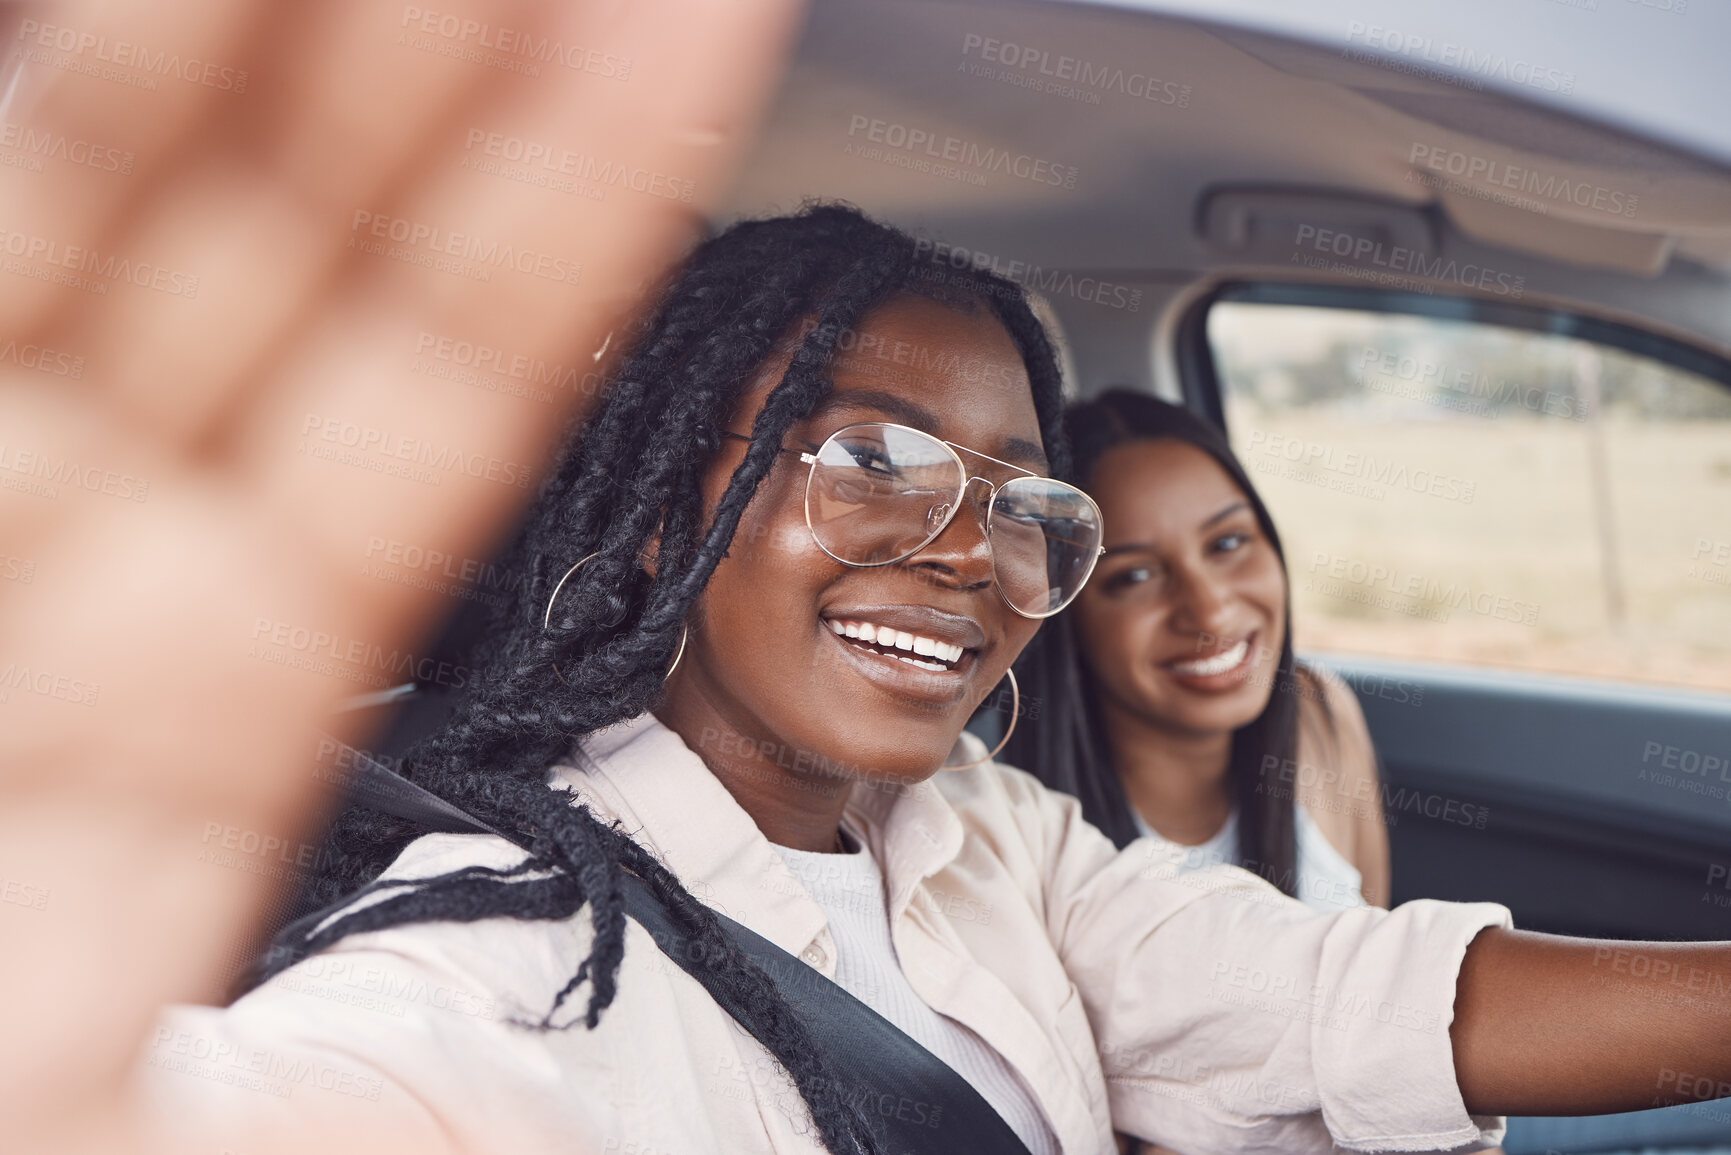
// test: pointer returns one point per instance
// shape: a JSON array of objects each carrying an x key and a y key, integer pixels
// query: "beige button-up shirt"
[{"x": 1207, "y": 1013}]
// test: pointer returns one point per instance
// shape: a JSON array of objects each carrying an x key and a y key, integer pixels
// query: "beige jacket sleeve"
[
  {"x": 1337, "y": 779},
  {"x": 396, "y": 1041},
  {"x": 1229, "y": 1017}
]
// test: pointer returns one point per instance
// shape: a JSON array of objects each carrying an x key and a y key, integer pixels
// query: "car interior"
[{"x": 1468, "y": 324}]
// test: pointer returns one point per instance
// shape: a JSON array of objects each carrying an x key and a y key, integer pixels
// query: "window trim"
[{"x": 1199, "y": 379}]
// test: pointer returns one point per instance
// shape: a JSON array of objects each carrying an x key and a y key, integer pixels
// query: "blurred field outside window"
[{"x": 1462, "y": 492}]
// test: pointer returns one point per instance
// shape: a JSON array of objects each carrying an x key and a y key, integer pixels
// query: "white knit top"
[
  {"x": 1325, "y": 880},
  {"x": 850, "y": 888}
]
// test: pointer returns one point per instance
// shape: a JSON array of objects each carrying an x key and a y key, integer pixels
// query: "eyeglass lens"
[{"x": 878, "y": 493}]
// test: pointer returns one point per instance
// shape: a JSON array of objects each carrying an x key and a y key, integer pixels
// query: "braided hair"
[{"x": 633, "y": 475}]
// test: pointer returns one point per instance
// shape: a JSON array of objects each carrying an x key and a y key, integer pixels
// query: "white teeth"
[
  {"x": 945, "y": 653},
  {"x": 1219, "y": 664}
]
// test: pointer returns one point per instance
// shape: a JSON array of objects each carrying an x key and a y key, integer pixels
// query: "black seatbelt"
[{"x": 920, "y": 1101}]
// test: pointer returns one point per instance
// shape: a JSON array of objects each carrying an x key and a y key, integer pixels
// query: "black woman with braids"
[{"x": 813, "y": 522}]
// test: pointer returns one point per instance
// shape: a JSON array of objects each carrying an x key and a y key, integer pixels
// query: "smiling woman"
[
  {"x": 1180, "y": 710},
  {"x": 697, "y": 541},
  {"x": 857, "y": 700}
]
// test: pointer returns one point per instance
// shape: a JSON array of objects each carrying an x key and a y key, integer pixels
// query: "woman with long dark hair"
[
  {"x": 1173, "y": 704},
  {"x": 816, "y": 518}
]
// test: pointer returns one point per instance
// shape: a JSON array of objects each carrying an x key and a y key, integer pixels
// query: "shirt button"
[{"x": 813, "y": 954}]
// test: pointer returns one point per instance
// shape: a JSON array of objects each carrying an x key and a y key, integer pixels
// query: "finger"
[
  {"x": 527, "y": 306},
  {"x": 257, "y": 227},
  {"x": 129, "y": 82}
]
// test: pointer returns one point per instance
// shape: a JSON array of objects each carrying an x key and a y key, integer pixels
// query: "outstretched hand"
[{"x": 286, "y": 289}]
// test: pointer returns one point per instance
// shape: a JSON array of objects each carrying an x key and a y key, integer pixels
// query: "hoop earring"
[
  {"x": 684, "y": 632},
  {"x": 547, "y": 621},
  {"x": 1015, "y": 709}
]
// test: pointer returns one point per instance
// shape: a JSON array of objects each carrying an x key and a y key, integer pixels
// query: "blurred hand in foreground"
[{"x": 287, "y": 290}]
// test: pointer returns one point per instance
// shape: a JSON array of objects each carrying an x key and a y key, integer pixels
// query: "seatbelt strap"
[{"x": 920, "y": 1101}]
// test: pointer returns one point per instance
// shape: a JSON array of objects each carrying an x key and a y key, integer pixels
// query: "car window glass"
[{"x": 1463, "y": 492}]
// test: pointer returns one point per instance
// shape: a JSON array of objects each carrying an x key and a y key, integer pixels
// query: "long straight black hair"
[
  {"x": 633, "y": 471},
  {"x": 1067, "y": 745}
]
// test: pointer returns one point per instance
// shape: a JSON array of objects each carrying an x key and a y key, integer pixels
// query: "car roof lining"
[{"x": 1265, "y": 115}]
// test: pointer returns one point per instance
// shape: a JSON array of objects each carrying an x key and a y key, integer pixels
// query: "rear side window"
[{"x": 1459, "y": 491}]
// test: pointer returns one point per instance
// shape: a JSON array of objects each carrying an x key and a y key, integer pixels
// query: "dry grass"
[{"x": 1528, "y": 535}]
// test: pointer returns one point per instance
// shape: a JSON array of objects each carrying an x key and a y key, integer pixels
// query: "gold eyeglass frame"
[{"x": 955, "y": 451}]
